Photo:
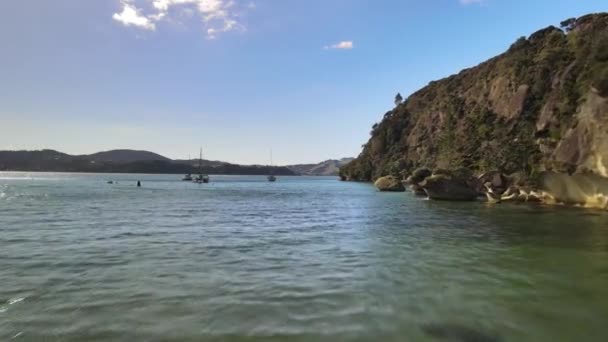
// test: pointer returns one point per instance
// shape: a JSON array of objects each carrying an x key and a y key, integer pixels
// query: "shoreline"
[
  {"x": 583, "y": 190},
  {"x": 144, "y": 173}
]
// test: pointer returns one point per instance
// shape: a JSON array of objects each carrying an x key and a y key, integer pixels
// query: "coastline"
[{"x": 550, "y": 188}]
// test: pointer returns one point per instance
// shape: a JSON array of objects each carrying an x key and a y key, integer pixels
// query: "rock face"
[
  {"x": 540, "y": 106},
  {"x": 586, "y": 145},
  {"x": 389, "y": 183},
  {"x": 586, "y": 190}
]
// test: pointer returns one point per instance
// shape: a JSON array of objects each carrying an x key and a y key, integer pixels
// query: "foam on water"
[{"x": 15, "y": 300}]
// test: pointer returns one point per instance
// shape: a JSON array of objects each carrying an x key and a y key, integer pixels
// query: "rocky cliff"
[{"x": 540, "y": 106}]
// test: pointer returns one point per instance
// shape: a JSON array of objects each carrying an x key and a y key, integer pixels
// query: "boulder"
[
  {"x": 419, "y": 175},
  {"x": 495, "y": 178},
  {"x": 442, "y": 172},
  {"x": 518, "y": 179},
  {"x": 417, "y": 190},
  {"x": 494, "y": 181},
  {"x": 389, "y": 183},
  {"x": 441, "y": 187},
  {"x": 463, "y": 173}
]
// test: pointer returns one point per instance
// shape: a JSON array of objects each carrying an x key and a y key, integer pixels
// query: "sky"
[{"x": 305, "y": 78}]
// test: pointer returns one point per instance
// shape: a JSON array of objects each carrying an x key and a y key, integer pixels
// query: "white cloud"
[
  {"x": 130, "y": 16},
  {"x": 217, "y": 16},
  {"x": 343, "y": 45}
]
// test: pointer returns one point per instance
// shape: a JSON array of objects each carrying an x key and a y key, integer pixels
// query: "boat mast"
[{"x": 200, "y": 162}]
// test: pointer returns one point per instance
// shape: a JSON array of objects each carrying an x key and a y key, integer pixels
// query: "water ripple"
[{"x": 304, "y": 259}]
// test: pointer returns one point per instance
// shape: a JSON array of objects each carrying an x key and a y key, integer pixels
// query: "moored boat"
[
  {"x": 201, "y": 178},
  {"x": 271, "y": 177}
]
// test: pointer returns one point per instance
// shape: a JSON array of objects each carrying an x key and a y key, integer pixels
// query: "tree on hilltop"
[{"x": 398, "y": 99}]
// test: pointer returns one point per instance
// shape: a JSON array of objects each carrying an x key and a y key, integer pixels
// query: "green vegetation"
[{"x": 398, "y": 99}]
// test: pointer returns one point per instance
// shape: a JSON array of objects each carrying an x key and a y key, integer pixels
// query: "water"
[{"x": 303, "y": 259}]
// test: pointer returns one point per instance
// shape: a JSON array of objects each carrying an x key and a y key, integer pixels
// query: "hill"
[
  {"x": 125, "y": 156},
  {"x": 123, "y": 161},
  {"x": 327, "y": 168},
  {"x": 540, "y": 106}
]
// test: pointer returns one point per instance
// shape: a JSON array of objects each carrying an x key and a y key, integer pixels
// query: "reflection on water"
[{"x": 301, "y": 259}]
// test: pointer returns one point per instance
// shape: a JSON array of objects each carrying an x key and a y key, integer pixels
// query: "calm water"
[{"x": 304, "y": 259}]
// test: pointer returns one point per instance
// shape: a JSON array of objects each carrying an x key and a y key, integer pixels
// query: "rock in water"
[
  {"x": 494, "y": 181},
  {"x": 389, "y": 183},
  {"x": 441, "y": 187},
  {"x": 419, "y": 175},
  {"x": 458, "y": 333},
  {"x": 586, "y": 190},
  {"x": 417, "y": 190}
]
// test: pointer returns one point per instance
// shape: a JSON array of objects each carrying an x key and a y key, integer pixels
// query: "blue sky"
[{"x": 305, "y": 78}]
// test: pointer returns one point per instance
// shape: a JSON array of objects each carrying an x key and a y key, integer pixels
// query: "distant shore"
[{"x": 132, "y": 161}]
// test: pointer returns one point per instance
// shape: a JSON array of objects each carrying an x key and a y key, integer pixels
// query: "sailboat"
[
  {"x": 271, "y": 177},
  {"x": 201, "y": 178},
  {"x": 188, "y": 176}
]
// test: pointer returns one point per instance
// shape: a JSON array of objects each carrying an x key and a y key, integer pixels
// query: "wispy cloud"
[
  {"x": 343, "y": 45},
  {"x": 217, "y": 16},
  {"x": 470, "y": 2}
]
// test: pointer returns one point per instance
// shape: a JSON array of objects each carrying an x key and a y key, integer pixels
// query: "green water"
[{"x": 303, "y": 259}]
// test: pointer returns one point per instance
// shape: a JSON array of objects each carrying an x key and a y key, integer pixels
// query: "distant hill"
[
  {"x": 327, "y": 168},
  {"x": 206, "y": 163},
  {"x": 125, "y": 156},
  {"x": 124, "y": 161}
]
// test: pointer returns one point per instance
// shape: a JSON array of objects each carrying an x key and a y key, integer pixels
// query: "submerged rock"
[
  {"x": 458, "y": 333},
  {"x": 389, "y": 183}
]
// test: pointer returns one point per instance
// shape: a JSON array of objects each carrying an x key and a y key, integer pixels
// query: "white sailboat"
[
  {"x": 271, "y": 177},
  {"x": 201, "y": 178},
  {"x": 188, "y": 176}
]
